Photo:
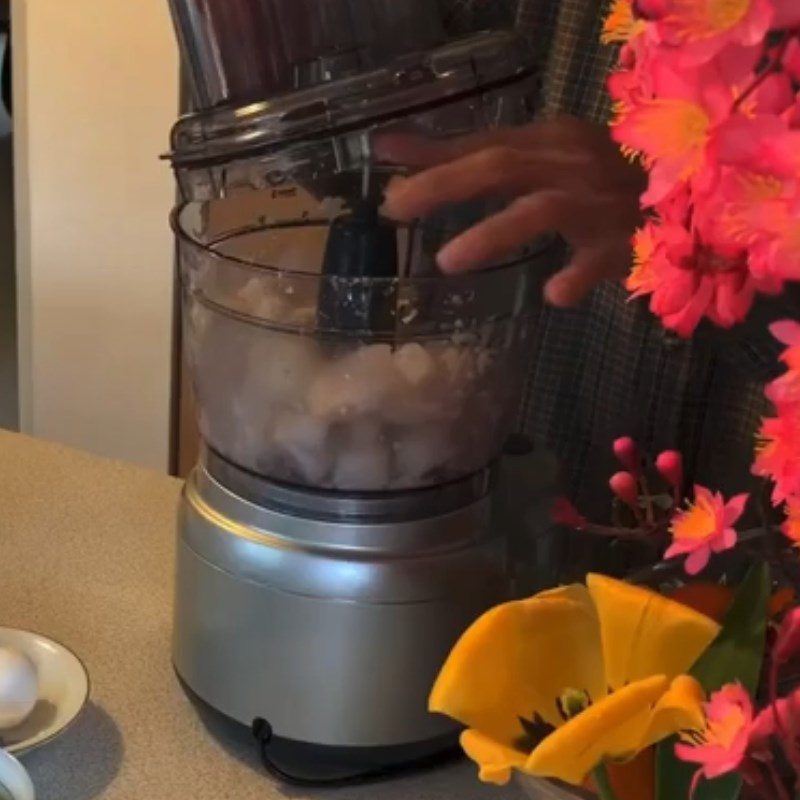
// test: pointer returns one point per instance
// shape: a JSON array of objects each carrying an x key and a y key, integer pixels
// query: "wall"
[{"x": 96, "y": 91}]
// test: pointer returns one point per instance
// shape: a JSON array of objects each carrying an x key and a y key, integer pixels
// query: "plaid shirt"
[{"x": 609, "y": 368}]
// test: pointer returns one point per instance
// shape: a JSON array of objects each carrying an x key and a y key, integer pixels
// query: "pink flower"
[
  {"x": 624, "y": 486},
  {"x": 670, "y": 466},
  {"x": 784, "y": 393},
  {"x": 791, "y": 59},
  {"x": 787, "y": 644},
  {"x": 705, "y": 527},
  {"x": 765, "y": 727},
  {"x": 778, "y": 453},
  {"x": 760, "y": 143},
  {"x": 788, "y": 332},
  {"x": 734, "y": 288},
  {"x": 756, "y": 201},
  {"x": 792, "y": 116},
  {"x": 564, "y": 513},
  {"x": 627, "y": 454},
  {"x": 672, "y": 128},
  {"x": 722, "y": 746},
  {"x": 688, "y": 280},
  {"x": 701, "y": 29},
  {"x": 778, "y": 253},
  {"x": 628, "y": 84},
  {"x": 774, "y": 95},
  {"x": 787, "y": 14},
  {"x": 624, "y": 86},
  {"x": 632, "y": 81}
]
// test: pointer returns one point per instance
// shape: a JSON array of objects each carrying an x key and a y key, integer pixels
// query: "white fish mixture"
[{"x": 346, "y": 414}]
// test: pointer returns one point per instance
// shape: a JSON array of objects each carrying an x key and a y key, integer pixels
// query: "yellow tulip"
[{"x": 555, "y": 685}]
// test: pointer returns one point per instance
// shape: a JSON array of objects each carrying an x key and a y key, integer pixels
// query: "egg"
[{"x": 19, "y": 688}]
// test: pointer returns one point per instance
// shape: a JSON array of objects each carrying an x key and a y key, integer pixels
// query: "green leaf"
[
  {"x": 737, "y": 654},
  {"x": 674, "y": 779}
]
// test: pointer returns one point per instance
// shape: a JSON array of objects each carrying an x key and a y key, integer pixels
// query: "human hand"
[{"x": 564, "y": 175}]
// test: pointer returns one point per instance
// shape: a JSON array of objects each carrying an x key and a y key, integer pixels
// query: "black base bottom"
[
  {"x": 308, "y": 764},
  {"x": 312, "y": 764}
]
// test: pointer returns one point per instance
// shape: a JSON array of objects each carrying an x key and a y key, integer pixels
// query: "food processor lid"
[{"x": 409, "y": 85}]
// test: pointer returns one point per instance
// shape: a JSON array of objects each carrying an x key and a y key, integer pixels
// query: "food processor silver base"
[{"x": 323, "y": 620}]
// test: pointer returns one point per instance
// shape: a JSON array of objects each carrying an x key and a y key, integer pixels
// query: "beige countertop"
[{"x": 86, "y": 554}]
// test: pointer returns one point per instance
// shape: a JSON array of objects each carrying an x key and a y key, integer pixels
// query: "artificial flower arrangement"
[{"x": 693, "y": 689}]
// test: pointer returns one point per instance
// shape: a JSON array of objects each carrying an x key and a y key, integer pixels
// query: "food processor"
[{"x": 355, "y": 505}]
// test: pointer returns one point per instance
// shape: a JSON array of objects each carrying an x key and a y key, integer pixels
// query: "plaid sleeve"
[
  {"x": 567, "y": 36},
  {"x": 567, "y": 33}
]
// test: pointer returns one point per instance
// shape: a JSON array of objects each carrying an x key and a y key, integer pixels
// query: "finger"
[
  {"x": 589, "y": 267},
  {"x": 418, "y": 150},
  {"x": 496, "y": 172},
  {"x": 415, "y": 150},
  {"x": 503, "y": 234}
]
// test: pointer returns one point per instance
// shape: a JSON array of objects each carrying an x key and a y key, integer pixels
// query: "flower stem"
[
  {"x": 605, "y": 790},
  {"x": 616, "y": 533},
  {"x": 780, "y": 790},
  {"x": 650, "y": 510}
]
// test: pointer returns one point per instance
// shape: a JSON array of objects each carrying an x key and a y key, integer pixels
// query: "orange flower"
[
  {"x": 715, "y": 599},
  {"x": 712, "y": 599}
]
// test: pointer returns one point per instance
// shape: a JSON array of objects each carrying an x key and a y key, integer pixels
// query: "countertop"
[{"x": 86, "y": 558}]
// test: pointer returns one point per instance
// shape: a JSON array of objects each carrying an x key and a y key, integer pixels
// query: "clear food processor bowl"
[
  {"x": 414, "y": 381},
  {"x": 326, "y": 348}
]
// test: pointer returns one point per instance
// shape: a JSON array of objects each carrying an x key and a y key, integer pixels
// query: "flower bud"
[
  {"x": 670, "y": 466},
  {"x": 627, "y": 454},
  {"x": 624, "y": 486}
]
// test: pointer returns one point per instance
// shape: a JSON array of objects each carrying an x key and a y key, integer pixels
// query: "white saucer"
[{"x": 63, "y": 690}]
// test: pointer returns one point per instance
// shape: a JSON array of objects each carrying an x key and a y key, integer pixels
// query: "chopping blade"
[{"x": 360, "y": 267}]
